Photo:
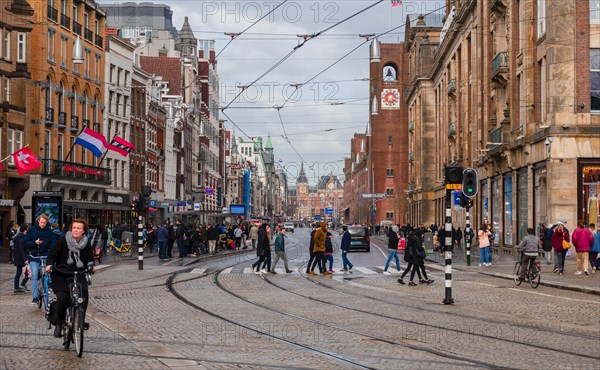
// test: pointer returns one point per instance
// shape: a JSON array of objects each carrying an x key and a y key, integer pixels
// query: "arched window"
[
  {"x": 48, "y": 96},
  {"x": 61, "y": 98},
  {"x": 84, "y": 109},
  {"x": 390, "y": 73},
  {"x": 74, "y": 118}
]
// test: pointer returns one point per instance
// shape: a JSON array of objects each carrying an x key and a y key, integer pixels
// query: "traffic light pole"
[
  {"x": 448, "y": 248},
  {"x": 468, "y": 237},
  {"x": 140, "y": 244}
]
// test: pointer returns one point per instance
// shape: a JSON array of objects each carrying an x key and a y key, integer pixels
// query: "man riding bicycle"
[
  {"x": 529, "y": 245},
  {"x": 72, "y": 252}
]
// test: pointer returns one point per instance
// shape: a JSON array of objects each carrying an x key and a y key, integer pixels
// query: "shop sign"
[
  {"x": 116, "y": 198},
  {"x": 7, "y": 202}
]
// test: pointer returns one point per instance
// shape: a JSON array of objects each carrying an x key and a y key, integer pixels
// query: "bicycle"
[
  {"x": 124, "y": 248},
  {"x": 74, "y": 324},
  {"x": 43, "y": 286},
  {"x": 533, "y": 275}
]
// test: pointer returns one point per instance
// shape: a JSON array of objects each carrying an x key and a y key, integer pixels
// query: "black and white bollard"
[
  {"x": 140, "y": 244},
  {"x": 448, "y": 248},
  {"x": 468, "y": 237}
]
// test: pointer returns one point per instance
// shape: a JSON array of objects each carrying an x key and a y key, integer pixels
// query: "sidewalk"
[{"x": 504, "y": 267}]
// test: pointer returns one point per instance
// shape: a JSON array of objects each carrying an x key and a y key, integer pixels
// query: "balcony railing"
[
  {"x": 77, "y": 28},
  {"x": 75, "y": 122},
  {"x": 86, "y": 123},
  {"x": 499, "y": 63},
  {"x": 97, "y": 126},
  {"x": 52, "y": 14},
  {"x": 49, "y": 114},
  {"x": 75, "y": 171},
  {"x": 99, "y": 41},
  {"x": 62, "y": 118},
  {"x": 88, "y": 34},
  {"x": 65, "y": 21}
]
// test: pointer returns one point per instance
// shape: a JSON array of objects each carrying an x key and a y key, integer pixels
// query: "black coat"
[
  {"x": 20, "y": 252},
  {"x": 413, "y": 244},
  {"x": 58, "y": 257},
  {"x": 263, "y": 245},
  {"x": 393, "y": 240}
]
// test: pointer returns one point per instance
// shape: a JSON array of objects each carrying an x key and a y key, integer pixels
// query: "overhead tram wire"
[
  {"x": 306, "y": 39},
  {"x": 236, "y": 35}
]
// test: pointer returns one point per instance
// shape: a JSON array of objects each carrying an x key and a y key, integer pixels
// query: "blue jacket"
[
  {"x": 46, "y": 234},
  {"x": 596, "y": 246},
  {"x": 280, "y": 243},
  {"x": 346, "y": 240},
  {"x": 163, "y": 234}
]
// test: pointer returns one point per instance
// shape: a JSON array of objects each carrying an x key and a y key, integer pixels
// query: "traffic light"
[
  {"x": 469, "y": 182},
  {"x": 139, "y": 206},
  {"x": 453, "y": 175}
]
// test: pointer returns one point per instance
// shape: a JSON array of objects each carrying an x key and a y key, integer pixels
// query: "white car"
[{"x": 289, "y": 226}]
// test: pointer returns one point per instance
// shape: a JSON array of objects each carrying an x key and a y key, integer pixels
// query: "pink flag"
[
  {"x": 396, "y": 2},
  {"x": 25, "y": 160}
]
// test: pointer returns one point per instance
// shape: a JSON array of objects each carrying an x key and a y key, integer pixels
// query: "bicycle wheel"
[
  {"x": 534, "y": 275},
  {"x": 516, "y": 274},
  {"x": 127, "y": 251},
  {"x": 78, "y": 330}
]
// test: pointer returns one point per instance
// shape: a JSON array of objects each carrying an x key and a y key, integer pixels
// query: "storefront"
[{"x": 589, "y": 188}]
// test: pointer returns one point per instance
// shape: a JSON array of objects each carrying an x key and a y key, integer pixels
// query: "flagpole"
[
  {"x": 72, "y": 146},
  {"x": 106, "y": 152}
]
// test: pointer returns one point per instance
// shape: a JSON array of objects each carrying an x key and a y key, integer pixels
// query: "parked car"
[
  {"x": 289, "y": 226},
  {"x": 359, "y": 238}
]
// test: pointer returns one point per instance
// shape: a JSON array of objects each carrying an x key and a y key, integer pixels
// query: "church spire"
[{"x": 302, "y": 179}]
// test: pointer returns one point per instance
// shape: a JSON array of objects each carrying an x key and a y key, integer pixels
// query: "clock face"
[{"x": 390, "y": 99}]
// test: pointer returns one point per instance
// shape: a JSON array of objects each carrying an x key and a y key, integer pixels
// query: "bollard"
[
  {"x": 468, "y": 238},
  {"x": 140, "y": 244},
  {"x": 448, "y": 249}
]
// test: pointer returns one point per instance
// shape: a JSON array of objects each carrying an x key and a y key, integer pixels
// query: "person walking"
[
  {"x": 19, "y": 257},
  {"x": 280, "y": 252},
  {"x": 392, "y": 250},
  {"x": 171, "y": 240},
  {"x": 38, "y": 240},
  {"x": 311, "y": 250},
  {"x": 212, "y": 235},
  {"x": 559, "y": 235},
  {"x": 237, "y": 234},
  {"x": 546, "y": 242},
  {"x": 254, "y": 234},
  {"x": 410, "y": 257},
  {"x": 483, "y": 236},
  {"x": 345, "y": 247},
  {"x": 319, "y": 249},
  {"x": 582, "y": 239},
  {"x": 595, "y": 248},
  {"x": 263, "y": 248},
  {"x": 328, "y": 252}
]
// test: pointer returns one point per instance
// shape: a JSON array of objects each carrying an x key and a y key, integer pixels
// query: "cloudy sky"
[{"x": 322, "y": 117}]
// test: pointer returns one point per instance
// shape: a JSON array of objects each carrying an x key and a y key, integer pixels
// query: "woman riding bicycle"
[
  {"x": 529, "y": 245},
  {"x": 72, "y": 252}
]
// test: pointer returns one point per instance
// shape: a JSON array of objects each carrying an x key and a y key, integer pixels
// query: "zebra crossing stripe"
[
  {"x": 198, "y": 270},
  {"x": 365, "y": 270}
]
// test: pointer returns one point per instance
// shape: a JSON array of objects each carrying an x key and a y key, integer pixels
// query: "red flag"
[
  {"x": 121, "y": 146},
  {"x": 396, "y": 2},
  {"x": 1, "y": 166},
  {"x": 25, "y": 160}
]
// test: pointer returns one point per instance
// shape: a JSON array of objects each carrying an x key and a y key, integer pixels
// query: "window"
[
  {"x": 48, "y": 94},
  {"x": 110, "y": 101},
  {"x": 390, "y": 172},
  {"x": 389, "y": 215},
  {"x": 59, "y": 145},
  {"x": 5, "y": 89},
  {"x": 111, "y": 73},
  {"x": 390, "y": 141},
  {"x": 595, "y": 79},
  {"x": 595, "y": 11},
  {"x": 61, "y": 98},
  {"x": 389, "y": 191},
  {"x": 84, "y": 107},
  {"x": 87, "y": 62},
  {"x": 75, "y": 66},
  {"x": 541, "y": 17},
  {"x": 125, "y": 104},
  {"x": 72, "y": 102},
  {"x": 83, "y": 156},
  {"x": 75, "y": 14},
  {"x": 51, "y": 34},
  {"x": 6, "y": 44},
  {"x": 21, "y": 47},
  {"x": 15, "y": 142},
  {"x": 64, "y": 41},
  {"x": 97, "y": 67}
]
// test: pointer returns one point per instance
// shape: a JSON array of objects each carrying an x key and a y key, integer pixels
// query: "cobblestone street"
[{"x": 215, "y": 313}]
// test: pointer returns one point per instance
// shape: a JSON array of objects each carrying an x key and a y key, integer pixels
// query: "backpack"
[{"x": 52, "y": 315}]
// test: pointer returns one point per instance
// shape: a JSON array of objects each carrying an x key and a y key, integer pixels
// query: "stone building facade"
[{"x": 510, "y": 88}]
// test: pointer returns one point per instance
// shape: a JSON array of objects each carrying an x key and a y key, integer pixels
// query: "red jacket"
[
  {"x": 557, "y": 239},
  {"x": 582, "y": 239}
]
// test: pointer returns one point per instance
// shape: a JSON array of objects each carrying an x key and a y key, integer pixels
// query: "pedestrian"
[
  {"x": 483, "y": 236},
  {"x": 329, "y": 251},
  {"x": 171, "y": 240},
  {"x": 392, "y": 244},
  {"x": 595, "y": 249},
  {"x": 20, "y": 254},
  {"x": 254, "y": 234},
  {"x": 163, "y": 241},
  {"x": 263, "y": 248},
  {"x": 410, "y": 257},
  {"x": 546, "y": 242},
  {"x": 582, "y": 239},
  {"x": 212, "y": 235},
  {"x": 11, "y": 232},
  {"x": 180, "y": 236},
  {"x": 237, "y": 234},
  {"x": 559, "y": 235},
  {"x": 311, "y": 249},
  {"x": 345, "y": 247},
  {"x": 280, "y": 252},
  {"x": 319, "y": 249},
  {"x": 38, "y": 240}
]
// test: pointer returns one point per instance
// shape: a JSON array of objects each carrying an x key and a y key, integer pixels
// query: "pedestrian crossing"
[{"x": 356, "y": 270}]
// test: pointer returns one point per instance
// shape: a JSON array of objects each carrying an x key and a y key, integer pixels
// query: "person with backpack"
[
  {"x": 410, "y": 257},
  {"x": 392, "y": 250}
]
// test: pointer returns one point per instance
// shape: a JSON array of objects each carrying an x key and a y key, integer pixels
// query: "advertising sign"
[
  {"x": 237, "y": 209},
  {"x": 50, "y": 203}
]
